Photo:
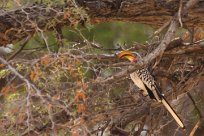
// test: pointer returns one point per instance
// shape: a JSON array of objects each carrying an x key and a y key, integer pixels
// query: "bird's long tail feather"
[{"x": 173, "y": 113}]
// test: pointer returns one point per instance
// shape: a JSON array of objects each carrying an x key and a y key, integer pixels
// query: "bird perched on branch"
[{"x": 145, "y": 81}]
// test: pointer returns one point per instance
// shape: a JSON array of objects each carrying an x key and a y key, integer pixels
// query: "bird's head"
[{"x": 131, "y": 56}]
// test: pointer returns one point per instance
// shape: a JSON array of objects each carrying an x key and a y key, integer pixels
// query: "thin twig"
[
  {"x": 196, "y": 127},
  {"x": 28, "y": 83},
  {"x": 179, "y": 13},
  {"x": 199, "y": 114},
  {"x": 165, "y": 25},
  {"x": 195, "y": 105}
]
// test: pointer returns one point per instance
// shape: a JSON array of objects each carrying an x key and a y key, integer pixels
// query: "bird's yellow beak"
[{"x": 131, "y": 56}]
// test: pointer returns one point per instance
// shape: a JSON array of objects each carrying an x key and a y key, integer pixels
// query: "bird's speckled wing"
[{"x": 149, "y": 82}]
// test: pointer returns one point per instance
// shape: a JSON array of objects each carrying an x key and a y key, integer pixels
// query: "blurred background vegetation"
[{"x": 107, "y": 35}]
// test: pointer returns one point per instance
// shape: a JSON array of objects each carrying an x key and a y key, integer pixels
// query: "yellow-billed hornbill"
[{"x": 145, "y": 81}]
